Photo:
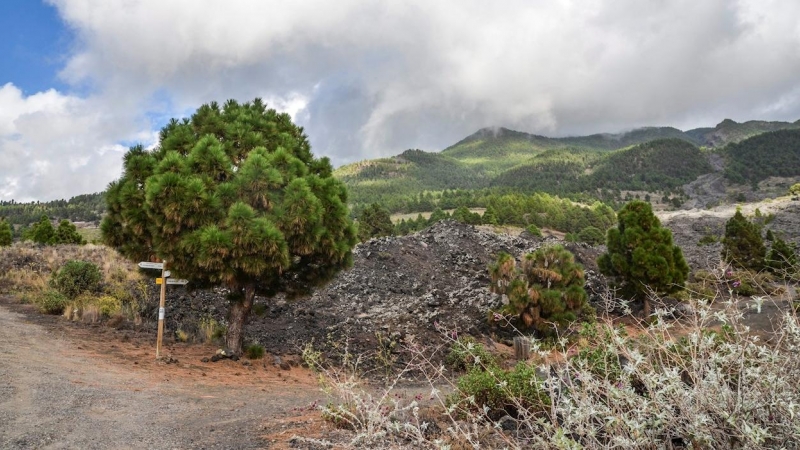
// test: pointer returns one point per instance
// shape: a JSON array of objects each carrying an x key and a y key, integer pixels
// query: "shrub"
[
  {"x": 76, "y": 277},
  {"x": 181, "y": 336},
  {"x": 254, "y": 351},
  {"x": 465, "y": 353},
  {"x": 499, "y": 392},
  {"x": 108, "y": 305},
  {"x": 547, "y": 290},
  {"x": 534, "y": 230},
  {"x": 708, "y": 239},
  {"x": 51, "y": 302},
  {"x": 795, "y": 189},
  {"x": 210, "y": 330}
]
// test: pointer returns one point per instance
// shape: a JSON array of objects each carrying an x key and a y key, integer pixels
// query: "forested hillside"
[
  {"x": 81, "y": 208},
  {"x": 658, "y": 166},
  {"x": 495, "y": 161},
  {"x": 762, "y": 156},
  {"x": 731, "y": 132}
]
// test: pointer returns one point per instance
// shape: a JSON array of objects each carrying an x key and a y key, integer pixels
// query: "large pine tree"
[
  {"x": 233, "y": 196},
  {"x": 641, "y": 256}
]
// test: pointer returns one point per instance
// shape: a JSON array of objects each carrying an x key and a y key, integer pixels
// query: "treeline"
[
  {"x": 538, "y": 210},
  {"x": 81, "y": 208},
  {"x": 769, "y": 154}
]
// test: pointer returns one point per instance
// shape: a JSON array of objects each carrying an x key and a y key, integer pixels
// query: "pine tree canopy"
[
  {"x": 641, "y": 255},
  {"x": 742, "y": 244},
  {"x": 374, "y": 221},
  {"x": 233, "y": 196},
  {"x": 546, "y": 291},
  {"x": 6, "y": 235}
]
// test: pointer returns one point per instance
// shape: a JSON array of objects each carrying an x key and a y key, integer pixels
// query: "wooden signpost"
[{"x": 164, "y": 274}]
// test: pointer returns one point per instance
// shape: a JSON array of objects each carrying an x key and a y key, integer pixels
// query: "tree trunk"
[{"x": 239, "y": 311}]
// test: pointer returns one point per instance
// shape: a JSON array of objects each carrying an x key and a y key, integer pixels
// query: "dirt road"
[{"x": 66, "y": 386}]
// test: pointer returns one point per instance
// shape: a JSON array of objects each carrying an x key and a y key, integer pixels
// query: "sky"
[{"x": 82, "y": 80}]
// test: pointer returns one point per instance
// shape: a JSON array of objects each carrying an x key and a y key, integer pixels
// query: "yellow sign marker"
[{"x": 159, "y": 280}]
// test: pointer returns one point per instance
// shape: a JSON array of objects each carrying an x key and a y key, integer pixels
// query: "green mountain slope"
[
  {"x": 729, "y": 131},
  {"x": 660, "y": 165},
  {"x": 599, "y": 166},
  {"x": 768, "y": 154}
]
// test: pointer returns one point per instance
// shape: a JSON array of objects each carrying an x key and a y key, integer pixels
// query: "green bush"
[
  {"x": 708, "y": 239},
  {"x": 52, "y": 302},
  {"x": 254, "y": 351},
  {"x": 592, "y": 236},
  {"x": 109, "y": 305},
  {"x": 534, "y": 230},
  {"x": 466, "y": 353},
  {"x": 75, "y": 278},
  {"x": 500, "y": 392}
]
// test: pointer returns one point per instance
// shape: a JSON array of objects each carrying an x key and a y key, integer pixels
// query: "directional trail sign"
[
  {"x": 172, "y": 281},
  {"x": 151, "y": 265}
]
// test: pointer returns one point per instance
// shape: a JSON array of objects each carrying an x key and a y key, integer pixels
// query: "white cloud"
[
  {"x": 55, "y": 145},
  {"x": 368, "y": 79}
]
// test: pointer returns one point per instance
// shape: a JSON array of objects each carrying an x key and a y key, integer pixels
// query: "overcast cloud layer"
[{"x": 369, "y": 79}]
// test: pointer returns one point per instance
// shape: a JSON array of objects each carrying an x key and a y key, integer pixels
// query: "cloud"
[
  {"x": 370, "y": 79},
  {"x": 56, "y": 146}
]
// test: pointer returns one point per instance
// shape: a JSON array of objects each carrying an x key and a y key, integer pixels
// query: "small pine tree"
[
  {"x": 66, "y": 233},
  {"x": 641, "y": 256},
  {"x": 6, "y": 235},
  {"x": 591, "y": 235},
  {"x": 374, "y": 221},
  {"x": 782, "y": 259},
  {"x": 437, "y": 215},
  {"x": 41, "y": 232},
  {"x": 547, "y": 289},
  {"x": 490, "y": 216},
  {"x": 742, "y": 244}
]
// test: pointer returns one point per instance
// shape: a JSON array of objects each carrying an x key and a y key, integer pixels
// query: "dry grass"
[{"x": 26, "y": 269}]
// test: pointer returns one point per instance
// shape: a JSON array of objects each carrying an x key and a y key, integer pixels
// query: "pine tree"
[
  {"x": 742, "y": 245},
  {"x": 490, "y": 216},
  {"x": 6, "y": 235},
  {"x": 591, "y": 235},
  {"x": 547, "y": 289},
  {"x": 782, "y": 258},
  {"x": 233, "y": 196},
  {"x": 41, "y": 232},
  {"x": 641, "y": 256},
  {"x": 374, "y": 221},
  {"x": 67, "y": 233}
]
